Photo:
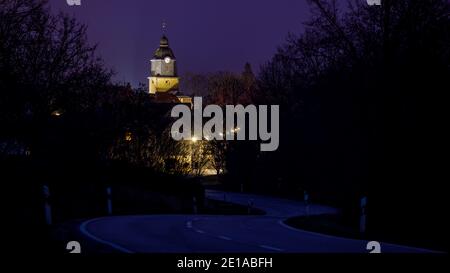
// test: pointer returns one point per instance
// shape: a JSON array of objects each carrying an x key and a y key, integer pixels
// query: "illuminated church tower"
[{"x": 163, "y": 77}]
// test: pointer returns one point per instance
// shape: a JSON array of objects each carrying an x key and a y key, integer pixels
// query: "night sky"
[{"x": 206, "y": 35}]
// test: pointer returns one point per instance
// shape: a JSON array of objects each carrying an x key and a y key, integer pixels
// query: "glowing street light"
[{"x": 56, "y": 113}]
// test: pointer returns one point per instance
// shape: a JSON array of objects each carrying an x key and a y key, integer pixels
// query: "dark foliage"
[{"x": 361, "y": 93}]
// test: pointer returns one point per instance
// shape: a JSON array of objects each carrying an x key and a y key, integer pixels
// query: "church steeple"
[
  {"x": 163, "y": 81},
  {"x": 163, "y": 75}
]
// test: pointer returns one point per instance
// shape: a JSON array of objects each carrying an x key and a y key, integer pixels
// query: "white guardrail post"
[
  {"x": 47, "y": 206},
  {"x": 109, "y": 200},
  {"x": 362, "y": 220}
]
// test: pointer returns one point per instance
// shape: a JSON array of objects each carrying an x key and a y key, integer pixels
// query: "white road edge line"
[
  {"x": 83, "y": 229},
  {"x": 199, "y": 231},
  {"x": 224, "y": 237},
  {"x": 281, "y": 222},
  {"x": 271, "y": 248}
]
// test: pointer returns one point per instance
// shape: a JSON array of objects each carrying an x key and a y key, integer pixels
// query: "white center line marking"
[
  {"x": 271, "y": 248},
  {"x": 224, "y": 238},
  {"x": 199, "y": 231}
]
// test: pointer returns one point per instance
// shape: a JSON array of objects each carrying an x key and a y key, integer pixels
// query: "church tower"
[{"x": 163, "y": 77}]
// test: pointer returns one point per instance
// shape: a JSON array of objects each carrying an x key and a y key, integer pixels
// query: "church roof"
[{"x": 163, "y": 50}]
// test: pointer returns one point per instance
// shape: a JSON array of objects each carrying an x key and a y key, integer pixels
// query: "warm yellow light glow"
[
  {"x": 56, "y": 113},
  {"x": 194, "y": 139},
  {"x": 185, "y": 99},
  {"x": 234, "y": 130},
  {"x": 128, "y": 136},
  {"x": 162, "y": 84}
]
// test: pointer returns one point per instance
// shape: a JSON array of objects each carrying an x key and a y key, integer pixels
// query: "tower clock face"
[{"x": 167, "y": 60}]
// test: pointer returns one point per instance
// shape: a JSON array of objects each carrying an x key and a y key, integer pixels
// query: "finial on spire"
[{"x": 164, "y": 27}]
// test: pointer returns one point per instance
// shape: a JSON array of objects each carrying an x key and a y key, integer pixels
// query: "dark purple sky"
[{"x": 206, "y": 35}]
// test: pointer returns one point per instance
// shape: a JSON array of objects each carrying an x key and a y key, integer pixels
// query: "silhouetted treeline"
[
  {"x": 65, "y": 124},
  {"x": 361, "y": 94},
  {"x": 57, "y": 100}
]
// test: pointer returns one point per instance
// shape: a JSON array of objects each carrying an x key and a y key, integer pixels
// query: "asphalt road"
[{"x": 232, "y": 234}]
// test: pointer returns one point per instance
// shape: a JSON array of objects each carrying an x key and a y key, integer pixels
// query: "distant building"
[{"x": 164, "y": 80}]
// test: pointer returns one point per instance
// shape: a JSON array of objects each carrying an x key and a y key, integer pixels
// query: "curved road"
[{"x": 218, "y": 233}]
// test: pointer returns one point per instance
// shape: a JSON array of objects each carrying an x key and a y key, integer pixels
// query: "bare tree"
[{"x": 46, "y": 61}]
